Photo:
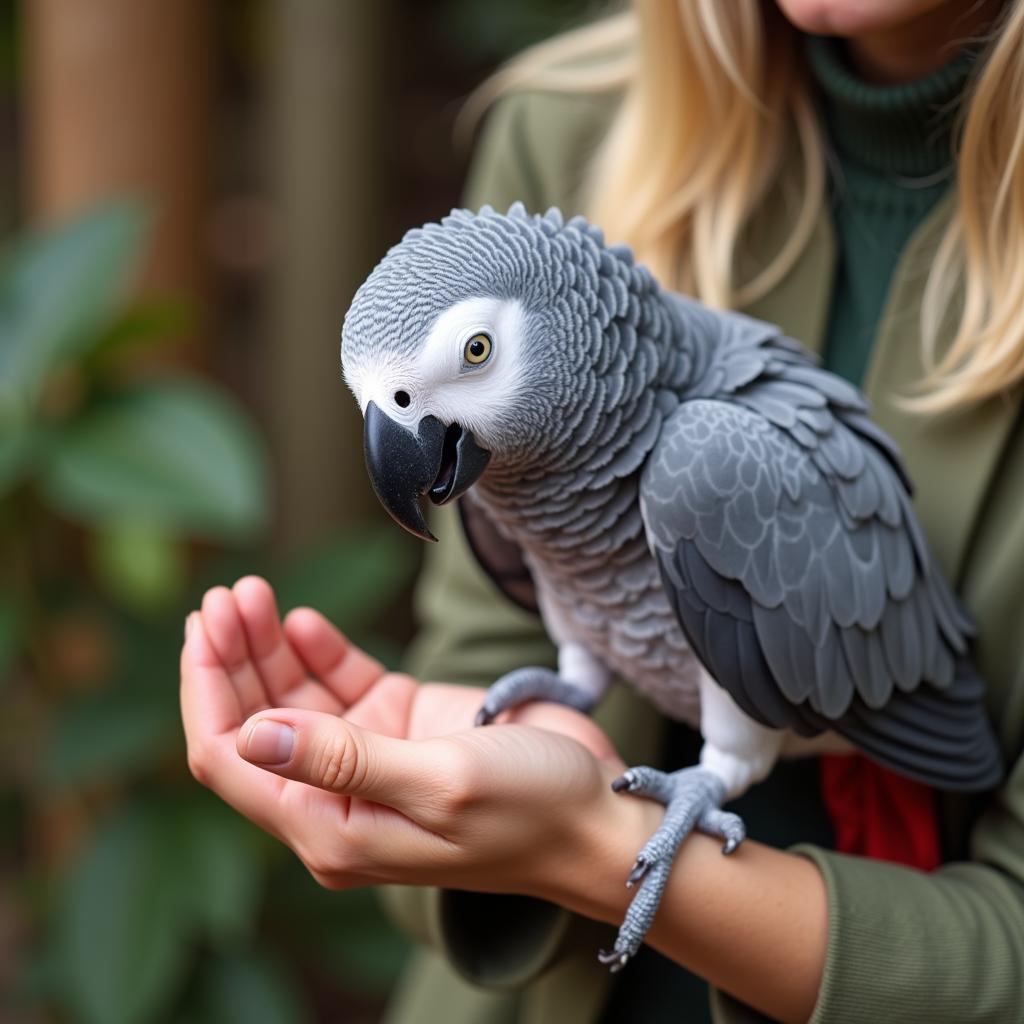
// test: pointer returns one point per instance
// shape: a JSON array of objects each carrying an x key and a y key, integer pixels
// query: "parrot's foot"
[
  {"x": 692, "y": 799},
  {"x": 526, "y": 684}
]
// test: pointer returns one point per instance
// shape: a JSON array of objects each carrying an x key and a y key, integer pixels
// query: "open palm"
[{"x": 240, "y": 659}]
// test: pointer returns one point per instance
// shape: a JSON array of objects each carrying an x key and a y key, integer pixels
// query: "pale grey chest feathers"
[{"x": 619, "y": 612}]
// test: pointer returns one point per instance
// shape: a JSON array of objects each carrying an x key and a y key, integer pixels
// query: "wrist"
[
  {"x": 588, "y": 873},
  {"x": 731, "y": 920}
]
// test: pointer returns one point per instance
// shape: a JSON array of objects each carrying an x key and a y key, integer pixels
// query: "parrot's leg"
[
  {"x": 692, "y": 799},
  {"x": 580, "y": 683},
  {"x": 737, "y": 752},
  {"x": 527, "y": 684}
]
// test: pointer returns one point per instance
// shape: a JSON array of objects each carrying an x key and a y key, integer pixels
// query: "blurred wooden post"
[
  {"x": 328, "y": 143},
  {"x": 118, "y": 103}
]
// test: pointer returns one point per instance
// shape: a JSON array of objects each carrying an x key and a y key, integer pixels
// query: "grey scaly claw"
[
  {"x": 692, "y": 799},
  {"x": 527, "y": 684},
  {"x": 725, "y": 825},
  {"x": 638, "y": 917}
]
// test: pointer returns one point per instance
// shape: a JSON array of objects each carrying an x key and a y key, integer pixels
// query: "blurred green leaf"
[
  {"x": 117, "y": 733},
  {"x": 351, "y": 578},
  {"x": 39, "y": 980},
  {"x": 148, "y": 651},
  {"x": 343, "y": 934},
  {"x": 362, "y": 945},
  {"x": 146, "y": 322},
  {"x": 58, "y": 288},
  {"x": 175, "y": 453},
  {"x": 254, "y": 988},
  {"x": 222, "y": 863},
  {"x": 121, "y": 926},
  {"x": 16, "y": 447},
  {"x": 383, "y": 648},
  {"x": 224, "y": 566},
  {"x": 139, "y": 564},
  {"x": 11, "y": 622}
]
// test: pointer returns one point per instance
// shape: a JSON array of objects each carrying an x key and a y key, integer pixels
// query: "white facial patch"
[{"x": 437, "y": 380}]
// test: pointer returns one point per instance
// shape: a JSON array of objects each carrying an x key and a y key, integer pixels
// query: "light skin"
[
  {"x": 385, "y": 781},
  {"x": 894, "y": 41}
]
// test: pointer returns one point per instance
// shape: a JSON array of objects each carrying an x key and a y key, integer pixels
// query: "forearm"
[{"x": 754, "y": 924}]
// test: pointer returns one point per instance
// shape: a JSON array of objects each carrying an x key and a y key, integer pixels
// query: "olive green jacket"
[{"x": 902, "y": 945}]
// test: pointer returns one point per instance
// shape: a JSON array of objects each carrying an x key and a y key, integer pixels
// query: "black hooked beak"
[{"x": 438, "y": 462}]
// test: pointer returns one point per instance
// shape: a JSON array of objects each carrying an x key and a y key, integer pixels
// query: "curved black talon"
[
  {"x": 624, "y": 781},
  {"x": 610, "y": 958},
  {"x": 484, "y": 717},
  {"x": 639, "y": 869},
  {"x": 730, "y": 845}
]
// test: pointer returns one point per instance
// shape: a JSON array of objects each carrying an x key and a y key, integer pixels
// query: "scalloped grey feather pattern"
[
  {"x": 781, "y": 521},
  {"x": 680, "y": 485}
]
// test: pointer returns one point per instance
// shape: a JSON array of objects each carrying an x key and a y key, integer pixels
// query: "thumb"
[{"x": 330, "y": 753}]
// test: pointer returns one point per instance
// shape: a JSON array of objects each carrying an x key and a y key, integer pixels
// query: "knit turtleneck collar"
[{"x": 903, "y": 131}]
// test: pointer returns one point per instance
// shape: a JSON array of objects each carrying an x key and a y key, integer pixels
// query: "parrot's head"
[{"x": 474, "y": 344}]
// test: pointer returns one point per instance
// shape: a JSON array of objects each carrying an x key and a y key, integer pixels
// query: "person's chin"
[{"x": 852, "y": 18}]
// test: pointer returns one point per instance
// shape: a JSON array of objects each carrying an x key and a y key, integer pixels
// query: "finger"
[
  {"x": 227, "y": 635},
  {"x": 386, "y": 707},
  {"x": 211, "y": 715},
  {"x": 252, "y": 792},
  {"x": 334, "y": 755},
  {"x": 283, "y": 675},
  {"x": 348, "y": 671},
  {"x": 209, "y": 703}
]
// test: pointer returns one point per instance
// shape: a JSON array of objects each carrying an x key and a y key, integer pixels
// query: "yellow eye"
[{"x": 477, "y": 350}]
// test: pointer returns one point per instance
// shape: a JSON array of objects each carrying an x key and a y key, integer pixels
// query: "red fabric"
[{"x": 877, "y": 813}]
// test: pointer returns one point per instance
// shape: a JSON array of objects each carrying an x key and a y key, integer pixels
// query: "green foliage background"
[
  {"x": 133, "y": 895},
  {"x": 128, "y": 894}
]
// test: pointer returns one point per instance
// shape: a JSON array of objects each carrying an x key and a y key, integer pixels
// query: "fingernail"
[
  {"x": 188, "y": 623},
  {"x": 270, "y": 742}
]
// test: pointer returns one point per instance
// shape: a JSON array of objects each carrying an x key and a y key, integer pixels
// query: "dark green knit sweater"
[{"x": 891, "y": 160}]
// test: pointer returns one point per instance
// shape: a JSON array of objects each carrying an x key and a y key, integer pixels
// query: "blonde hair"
[{"x": 714, "y": 96}]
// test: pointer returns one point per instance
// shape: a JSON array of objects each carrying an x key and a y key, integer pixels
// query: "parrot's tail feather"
[{"x": 938, "y": 736}]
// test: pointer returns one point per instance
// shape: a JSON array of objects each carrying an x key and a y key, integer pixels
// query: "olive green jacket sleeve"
[{"x": 902, "y": 945}]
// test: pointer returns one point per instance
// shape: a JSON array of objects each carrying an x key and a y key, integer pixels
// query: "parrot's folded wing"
[
  {"x": 790, "y": 552},
  {"x": 499, "y": 557}
]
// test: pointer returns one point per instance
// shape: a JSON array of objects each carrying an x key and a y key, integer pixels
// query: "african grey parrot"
[{"x": 696, "y": 505}]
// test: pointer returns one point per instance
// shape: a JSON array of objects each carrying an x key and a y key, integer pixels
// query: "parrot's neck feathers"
[
  {"x": 578, "y": 498},
  {"x": 580, "y": 494}
]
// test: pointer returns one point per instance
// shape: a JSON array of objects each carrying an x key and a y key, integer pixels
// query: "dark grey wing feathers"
[
  {"x": 871, "y": 431},
  {"x": 781, "y": 521},
  {"x": 715, "y": 614},
  {"x": 937, "y": 736}
]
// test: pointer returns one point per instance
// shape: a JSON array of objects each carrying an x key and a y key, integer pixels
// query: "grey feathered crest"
[{"x": 560, "y": 269}]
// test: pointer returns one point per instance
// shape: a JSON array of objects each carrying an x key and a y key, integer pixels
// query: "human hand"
[{"x": 372, "y": 777}]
